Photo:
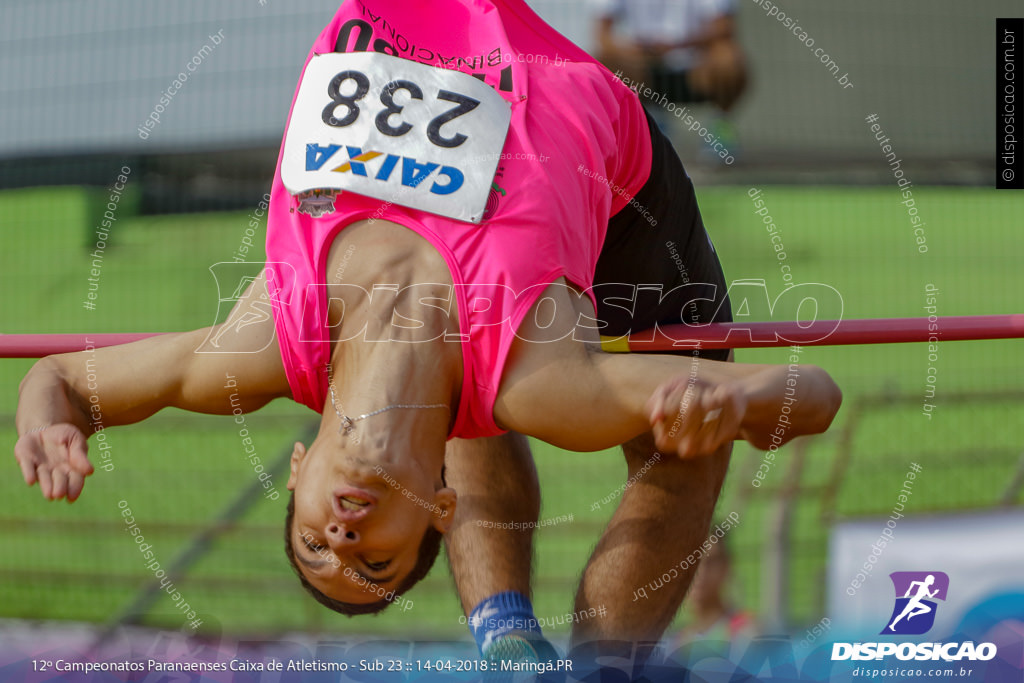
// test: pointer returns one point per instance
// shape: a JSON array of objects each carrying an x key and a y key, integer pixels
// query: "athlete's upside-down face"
[{"x": 360, "y": 518}]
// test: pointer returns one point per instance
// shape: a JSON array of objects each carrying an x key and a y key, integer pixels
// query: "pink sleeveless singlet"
[{"x": 577, "y": 150}]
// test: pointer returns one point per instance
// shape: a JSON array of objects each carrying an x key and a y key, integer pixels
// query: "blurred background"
[{"x": 80, "y": 79}]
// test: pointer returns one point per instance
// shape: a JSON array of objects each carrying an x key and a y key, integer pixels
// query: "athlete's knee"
[
  {"x": 512, "y": 454},
  {"x": 675, "y": 474},
  {"x": 640, "y": 452},
  {"x": 500, "y": 467}
]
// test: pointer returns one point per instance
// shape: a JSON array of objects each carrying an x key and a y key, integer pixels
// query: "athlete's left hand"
[
  {"x": 692, "y": 417},
  {"x": 57, "y": 457}
]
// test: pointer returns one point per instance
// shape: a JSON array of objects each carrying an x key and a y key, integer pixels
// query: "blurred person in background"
[
  {"x": 714, "y": 616},
  {"x": 685, "y": 51}
]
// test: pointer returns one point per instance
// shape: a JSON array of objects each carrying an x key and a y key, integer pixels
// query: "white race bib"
[{"x": 396, "y": 130}]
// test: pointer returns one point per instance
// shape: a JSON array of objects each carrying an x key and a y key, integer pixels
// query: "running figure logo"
[{"x": 914, "y": 612}]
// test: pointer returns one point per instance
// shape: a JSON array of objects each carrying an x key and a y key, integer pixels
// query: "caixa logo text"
[{"x": 382, "y": 167}]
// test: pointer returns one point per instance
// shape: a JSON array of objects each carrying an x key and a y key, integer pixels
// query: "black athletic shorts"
[{"x": 645, "y": 257}]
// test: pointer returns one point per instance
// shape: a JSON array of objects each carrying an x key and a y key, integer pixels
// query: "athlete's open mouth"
[{"x": 351, "y": 503}]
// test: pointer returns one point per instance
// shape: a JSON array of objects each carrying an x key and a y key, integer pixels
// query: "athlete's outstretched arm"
[
  {"x": 64, "y": 399},
  {"x": 574, "y": 396},
  {"x": 762, "y": 404},
  {"x": 592, "y": 400}
]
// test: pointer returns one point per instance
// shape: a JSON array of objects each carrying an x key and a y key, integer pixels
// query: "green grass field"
[{"x": 178, "y": 472}]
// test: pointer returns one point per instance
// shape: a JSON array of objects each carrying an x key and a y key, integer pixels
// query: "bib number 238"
[{"x": 395, "y": 130}]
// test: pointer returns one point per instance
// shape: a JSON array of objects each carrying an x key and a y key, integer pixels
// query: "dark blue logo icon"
[{"x": 916, "y": 593}]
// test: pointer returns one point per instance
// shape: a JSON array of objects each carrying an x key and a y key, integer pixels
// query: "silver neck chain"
[{"x": 348, "y": 424}]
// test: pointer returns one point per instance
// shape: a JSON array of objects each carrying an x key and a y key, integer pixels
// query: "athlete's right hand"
[
  {"x": 693, "y": 417},
  {"x": 56, "y": 457}
]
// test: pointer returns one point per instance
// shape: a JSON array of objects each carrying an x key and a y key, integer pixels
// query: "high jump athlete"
[{"x": 453, "y": 326}]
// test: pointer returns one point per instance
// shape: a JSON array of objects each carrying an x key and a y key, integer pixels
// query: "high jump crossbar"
[
  {"x": 668, "y": 338},
  {"x": 821, "y": 333}
]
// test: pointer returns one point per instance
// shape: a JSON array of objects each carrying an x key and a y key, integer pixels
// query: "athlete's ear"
[
  {"x": 298, "y": 453},
  {"x": 444, "y": 509}
]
